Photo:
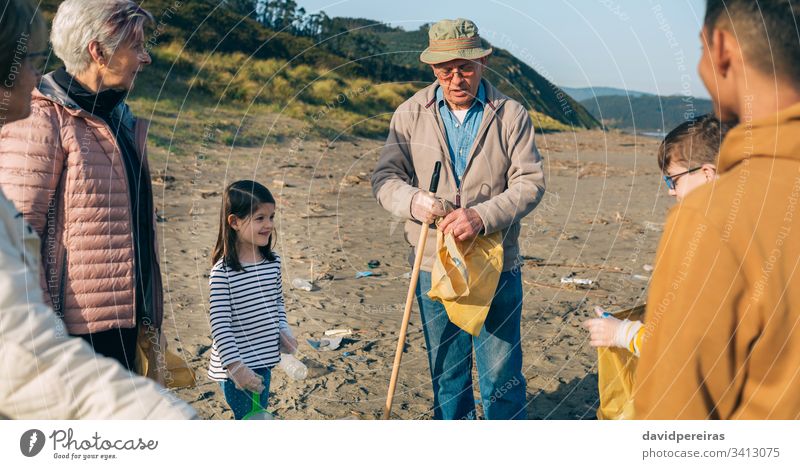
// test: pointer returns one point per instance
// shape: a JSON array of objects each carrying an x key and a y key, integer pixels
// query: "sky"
[{"x": 640, "y": 45}]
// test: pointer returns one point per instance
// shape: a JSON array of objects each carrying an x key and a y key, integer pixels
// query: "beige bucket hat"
[{"x": 453, "y": 39}]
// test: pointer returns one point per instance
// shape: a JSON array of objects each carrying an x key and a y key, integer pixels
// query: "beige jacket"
[
  {"x": 62, "y": 168},
  {"x": 45, "y": 373},
  {"x": 503, "y": 180},
  {"x": 722, "y": 324}
]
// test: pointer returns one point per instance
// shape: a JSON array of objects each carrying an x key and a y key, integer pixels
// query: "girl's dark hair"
[
  {"x": 694, "y": 142},
  {"x": 22, "y": 32},
  {"x": 240, "y": 199}
]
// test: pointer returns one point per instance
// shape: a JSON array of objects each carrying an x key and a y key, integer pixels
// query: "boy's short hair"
[
  {"x": 693, "y": 143},
  {"x": 767, "y": 32}
]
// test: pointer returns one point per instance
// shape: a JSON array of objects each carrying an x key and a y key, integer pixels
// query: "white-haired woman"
[
  {"x": 77, "y": 170},
  {"x": 45, "y": 374}
]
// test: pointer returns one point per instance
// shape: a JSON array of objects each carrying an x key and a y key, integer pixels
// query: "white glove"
[
  {"x": 244, "y": 378},
  {"x": 610, "y": 331},
  {"x": 288, "y": 342},
  {"x": 426, "y": 208}
]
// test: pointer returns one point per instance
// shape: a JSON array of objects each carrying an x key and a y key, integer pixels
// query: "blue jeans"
[
  {"x": 241, "y": 402},
  {"x": 498, "y": 354}
]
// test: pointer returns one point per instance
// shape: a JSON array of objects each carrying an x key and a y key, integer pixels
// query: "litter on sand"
[
  {"x": 338, "y": 332},
  {"x": 326, "y": 343},
  {"x": 294, "y": 368},
  {"x": 352, "y": 356},
  {"x": 373, "y": 264},
  {"x": 302, "y": 284},
  {"x": 580, "y": 282},
  {"x": 366, "y": 273}
]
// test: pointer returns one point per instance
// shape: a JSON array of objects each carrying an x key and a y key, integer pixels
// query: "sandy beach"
[{"x": 600, "y": 220}]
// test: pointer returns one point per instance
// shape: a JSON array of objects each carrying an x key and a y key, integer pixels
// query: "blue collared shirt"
[{"x": 461, "y": 135}]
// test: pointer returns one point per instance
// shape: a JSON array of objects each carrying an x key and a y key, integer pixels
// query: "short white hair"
[{"x": 109, "y": 22}]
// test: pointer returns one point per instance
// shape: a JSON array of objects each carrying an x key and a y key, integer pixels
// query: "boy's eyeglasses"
[
  {"x": 670, "y": 180},
  {"x": 466, "y": 71}
]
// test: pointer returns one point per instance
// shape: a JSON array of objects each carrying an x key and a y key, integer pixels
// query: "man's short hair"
[
  {"x": 692, "y": 143},
  {"x": 767, "y": 32}
]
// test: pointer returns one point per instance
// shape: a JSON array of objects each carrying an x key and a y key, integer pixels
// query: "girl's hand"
[
  {"x": 288, "y": 342},
  {"x": 244, "y": 378}
]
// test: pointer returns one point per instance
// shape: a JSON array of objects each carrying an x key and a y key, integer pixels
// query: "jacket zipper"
[
  {"x": 61, "y": 213},
  {"x": 61, "y": 285},
  {"x": 130, "y": 215},
  {"x": 157, "y": 286}
]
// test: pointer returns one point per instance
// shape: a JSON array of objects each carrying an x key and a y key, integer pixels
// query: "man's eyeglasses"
[
  {"x": 447, "y": 74},
  {"x": 670, "y": 180}
]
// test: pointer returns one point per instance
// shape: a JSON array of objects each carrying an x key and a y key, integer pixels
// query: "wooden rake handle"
[{"x": 412, "y": 287}]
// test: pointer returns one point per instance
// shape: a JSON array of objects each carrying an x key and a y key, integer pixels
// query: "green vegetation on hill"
[
  {"x": 581, "y": 94},
  {"x": 647, "y": 113},
  {"x": 214, "y": 59},
  {"x": 512, "y": 76}
]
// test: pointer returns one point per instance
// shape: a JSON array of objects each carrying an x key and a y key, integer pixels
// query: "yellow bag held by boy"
[
  {"x": 616, "y": 368},
  {"x": 464, "y": 278},
  {"x": 155, "y": 361}
]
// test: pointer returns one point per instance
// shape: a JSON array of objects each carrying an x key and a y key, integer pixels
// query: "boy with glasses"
[{"x": 688, "y": 159}]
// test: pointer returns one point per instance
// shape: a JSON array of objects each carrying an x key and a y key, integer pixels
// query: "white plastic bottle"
[
  {"x": 302, "y": 284},
  {"x": 293, "y": 367}
]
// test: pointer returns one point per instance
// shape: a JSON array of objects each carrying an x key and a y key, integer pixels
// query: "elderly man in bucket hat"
[{"x": 493, "y": 176}]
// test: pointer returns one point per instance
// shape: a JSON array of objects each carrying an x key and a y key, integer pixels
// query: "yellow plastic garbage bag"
[
  {"x": 464, "y": 278},
  {"x": 616, "y": 368},
  {"x": 155, "y": 361}
]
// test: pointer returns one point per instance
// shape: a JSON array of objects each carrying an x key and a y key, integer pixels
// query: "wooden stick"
[
  {"x": 401, "y": 341},
  {"x": 615, "y": 270},
  {"x": 412, "y": 287}
]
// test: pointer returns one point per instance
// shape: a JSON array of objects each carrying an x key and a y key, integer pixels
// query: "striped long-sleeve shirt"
[{"x": 247, "y": 313}]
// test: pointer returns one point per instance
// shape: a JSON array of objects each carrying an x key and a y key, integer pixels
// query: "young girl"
[
  {"x": 687, "y": 158},
  {"x": 248, "y": 318}
]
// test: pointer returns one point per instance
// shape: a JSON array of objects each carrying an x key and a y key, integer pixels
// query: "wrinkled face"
[
  {"x": 255, "y": 229},
  {"x": 16, "y": 98},
  {"x": 684, "y": 182},
  {"x": 459, "y": 80},
  {"x": 123, "y": 65}
]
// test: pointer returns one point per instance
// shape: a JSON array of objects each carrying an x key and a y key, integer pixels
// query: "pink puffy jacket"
[{"x": 63, "y": 170}]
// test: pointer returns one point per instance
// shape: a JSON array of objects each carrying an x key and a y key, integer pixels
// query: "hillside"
[
  {"x": 214, "y": 57},
  {"x": 582, "y": 94},
  {"x": 646, "y": 113},
  {"x": 512, "y": 76}
]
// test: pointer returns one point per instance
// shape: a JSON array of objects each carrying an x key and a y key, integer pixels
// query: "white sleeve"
[{"x": 46, "y": 374}]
